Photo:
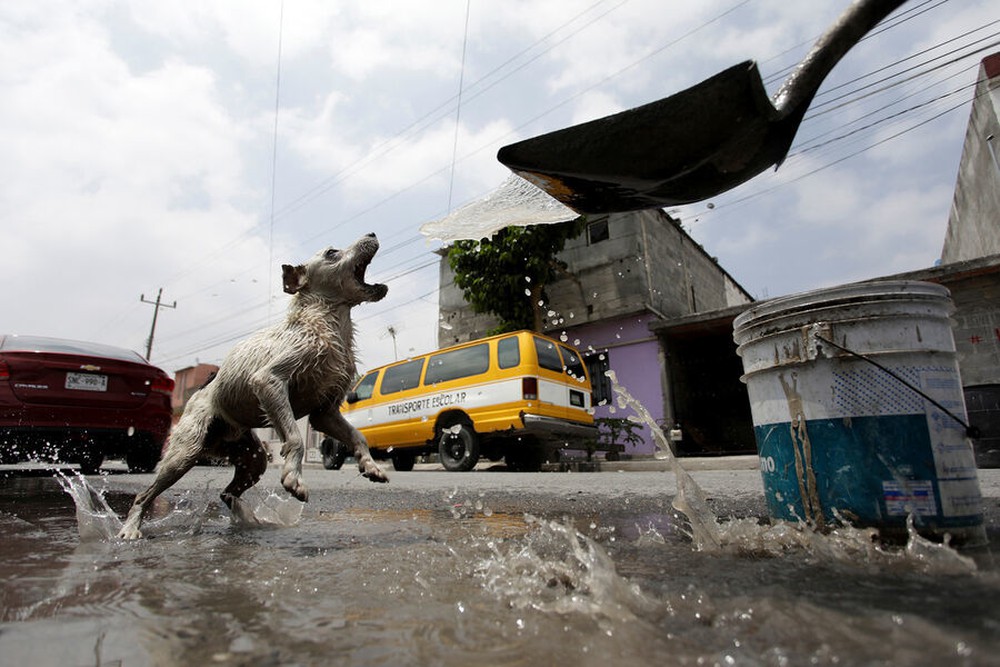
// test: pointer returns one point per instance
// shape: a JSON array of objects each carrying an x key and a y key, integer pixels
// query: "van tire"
[
  {"x": 458, "y": 448},
  {"x": 403, "y": 461},
  {"x": 334, "y": 453},
  {"x": 525, "y": 456}
]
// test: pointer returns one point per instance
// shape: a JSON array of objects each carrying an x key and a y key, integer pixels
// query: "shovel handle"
[{"x": 799, "y": 88}]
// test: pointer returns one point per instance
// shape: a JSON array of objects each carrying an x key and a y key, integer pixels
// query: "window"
[
  {"x": 597, "y": 365},
  {"x": 458, "y": 364},
  {"x": 366, "y": 386},
  {"x": 597, "y": 231},
  {"x": 548, "y": 355},
  {"x": 574, "y": 367},
  {"x": 402, "y": 377},
  {"x": 508, "y": 353}
]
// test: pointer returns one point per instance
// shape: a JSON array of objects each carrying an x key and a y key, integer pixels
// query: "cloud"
[
  {"x": 111, "y": 178},
  {"x": 139, "y": 147}
]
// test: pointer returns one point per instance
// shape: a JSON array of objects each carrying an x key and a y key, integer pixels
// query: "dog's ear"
[{"x": 293, "y": 278}]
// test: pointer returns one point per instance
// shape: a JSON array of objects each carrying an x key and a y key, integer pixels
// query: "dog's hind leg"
[
  {"x": 250, "y": 460},
  {"x": 196, "y": 429}
]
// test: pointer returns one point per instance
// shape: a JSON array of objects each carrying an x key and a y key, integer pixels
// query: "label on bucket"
[
  {"x": 872, "y": 452},
  {"x": 871, "y": 470}
]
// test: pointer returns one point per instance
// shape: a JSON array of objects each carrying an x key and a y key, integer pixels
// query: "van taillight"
[
  {"x": 4, "y": 370},
  {"x": 529, "y": 389}
]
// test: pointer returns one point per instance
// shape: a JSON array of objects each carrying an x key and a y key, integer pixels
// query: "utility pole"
[{"x": 156, "y": 311}]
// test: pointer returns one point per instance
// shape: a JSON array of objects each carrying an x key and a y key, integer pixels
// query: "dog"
[{"x": 302, "y": 366}]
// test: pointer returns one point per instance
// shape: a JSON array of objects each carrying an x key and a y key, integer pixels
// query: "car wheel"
[
  {"x": 403, "y": 461},
  {"x": 90, "y": 461},
  {"x": 142, "y": 459},
  {"x": 334, "y": 453},
  {"x": 458, "y": 447}
]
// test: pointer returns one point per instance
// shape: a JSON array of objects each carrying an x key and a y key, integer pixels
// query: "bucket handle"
[{"x": 970, "y": 431}]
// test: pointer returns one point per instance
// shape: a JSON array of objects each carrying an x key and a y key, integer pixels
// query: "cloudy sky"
[{"x": 167, "y": 145}]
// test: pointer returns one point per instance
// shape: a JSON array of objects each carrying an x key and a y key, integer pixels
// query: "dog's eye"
[{"x": 332, "y": 253}]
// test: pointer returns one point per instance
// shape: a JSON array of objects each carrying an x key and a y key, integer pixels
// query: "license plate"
[{"x": 87, "y": 381}]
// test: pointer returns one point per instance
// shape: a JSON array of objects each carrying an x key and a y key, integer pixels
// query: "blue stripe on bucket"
[{"x": 872, "y": 470}]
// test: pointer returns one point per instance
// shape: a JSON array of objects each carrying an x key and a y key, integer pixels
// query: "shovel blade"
[{"x": 688, "y": 147}]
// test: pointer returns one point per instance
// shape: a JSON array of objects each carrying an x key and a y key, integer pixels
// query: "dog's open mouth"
[{"x": 377, "y": 291}]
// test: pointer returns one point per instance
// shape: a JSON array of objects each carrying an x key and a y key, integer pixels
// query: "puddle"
[{"x": 460, "y": 577}]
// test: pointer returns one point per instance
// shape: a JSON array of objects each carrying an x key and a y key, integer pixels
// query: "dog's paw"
[
  {"x": 371, "y": 470},
  {"x": 295, "y": 486},
  {"x": 129, "y": 533}
]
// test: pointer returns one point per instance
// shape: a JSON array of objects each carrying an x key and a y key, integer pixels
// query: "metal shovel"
[{"x": 692, "y": 145}]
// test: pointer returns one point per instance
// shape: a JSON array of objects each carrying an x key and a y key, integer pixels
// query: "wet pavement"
[{"x": 487, "y": 567}]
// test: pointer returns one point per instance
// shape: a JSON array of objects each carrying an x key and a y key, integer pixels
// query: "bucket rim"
[{"x": 842, "y": 295}]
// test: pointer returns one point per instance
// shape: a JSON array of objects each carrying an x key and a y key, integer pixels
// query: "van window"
[
  {"x": 548, "y": 355},
  {"x": 458, "y": 364},
  {"x": 365, "y": 387},
  {"x": 508, "y": 352},
  {"x": 402, "y": 377},
  {"x": 574, "y": 367}
]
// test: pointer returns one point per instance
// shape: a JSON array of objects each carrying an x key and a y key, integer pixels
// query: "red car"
[{"x": 77, "y": 402}]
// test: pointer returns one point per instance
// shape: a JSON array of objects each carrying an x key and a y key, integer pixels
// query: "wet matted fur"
[{"x": 300, "y": 367}]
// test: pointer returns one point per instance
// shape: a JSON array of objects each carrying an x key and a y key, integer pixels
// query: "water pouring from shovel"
[{"x": 692, "y": 145}]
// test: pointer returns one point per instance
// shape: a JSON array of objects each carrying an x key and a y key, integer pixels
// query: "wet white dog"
[{"x": 302, "y": 366}]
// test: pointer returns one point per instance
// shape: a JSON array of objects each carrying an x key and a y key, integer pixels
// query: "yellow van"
[{"x": 517, "y": 396}]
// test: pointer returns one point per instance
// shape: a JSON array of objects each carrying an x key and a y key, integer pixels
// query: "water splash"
[
  {"x": 95, "y": 519},
  {"x": 555, "y": 568},
  {"x": 271, "y": 511},
  {"x": 844, "y": 544}
]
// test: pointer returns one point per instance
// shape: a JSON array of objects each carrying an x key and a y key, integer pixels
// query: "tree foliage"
[{"x": 506, "y": 275}]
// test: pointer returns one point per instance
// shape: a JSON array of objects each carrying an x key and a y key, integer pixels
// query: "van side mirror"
[{"x": 352, "y": 397}]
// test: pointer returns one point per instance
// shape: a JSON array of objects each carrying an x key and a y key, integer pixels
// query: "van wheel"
[
  {"x": 458, "y": 447},
  {"x": 525, "y": 456},
  {"x": 403, "y": 461},
  {"x": 334, "y": 453}
]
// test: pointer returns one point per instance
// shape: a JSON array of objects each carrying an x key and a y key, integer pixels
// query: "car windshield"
[{"x": 60, "y": 346}]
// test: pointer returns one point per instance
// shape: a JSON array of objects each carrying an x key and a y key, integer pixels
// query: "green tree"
[{"x": 506, "y": 275}]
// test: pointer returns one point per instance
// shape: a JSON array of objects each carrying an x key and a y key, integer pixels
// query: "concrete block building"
[{"x": 625, "y": 271}]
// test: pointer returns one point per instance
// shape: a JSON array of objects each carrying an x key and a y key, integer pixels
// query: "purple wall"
[{"x": 633, "y": 354}]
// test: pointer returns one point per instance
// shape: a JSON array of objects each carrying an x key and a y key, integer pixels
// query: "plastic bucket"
[{"x": 843, "y": 439}]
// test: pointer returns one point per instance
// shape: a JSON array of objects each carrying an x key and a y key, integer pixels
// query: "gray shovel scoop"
[{"x": 692, "y": 145}]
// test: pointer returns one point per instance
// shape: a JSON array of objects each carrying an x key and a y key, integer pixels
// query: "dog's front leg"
[
  {"x": 270, "y": 385},
  {"x": 331, "y": 422}
]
